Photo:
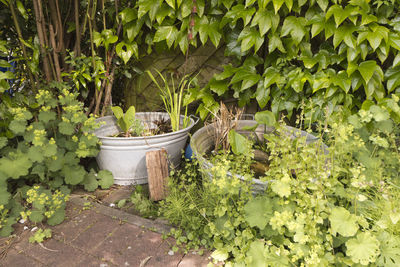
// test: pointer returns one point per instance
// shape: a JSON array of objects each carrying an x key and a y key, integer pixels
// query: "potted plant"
[
  {"x": 230, "y": 134},
  {"x": 126, "y": 137}
]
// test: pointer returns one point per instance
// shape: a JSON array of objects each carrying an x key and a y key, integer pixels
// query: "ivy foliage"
[
  {"x": 42, "y": 141},
  {"x": 318, "y": 209},
  {"x": 333, "y": 52}
]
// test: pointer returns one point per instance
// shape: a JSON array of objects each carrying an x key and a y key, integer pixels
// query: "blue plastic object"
[{"x": 188, "y": 152}]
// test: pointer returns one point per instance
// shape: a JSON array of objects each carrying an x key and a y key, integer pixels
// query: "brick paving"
[{"x": 97, "y": 236}]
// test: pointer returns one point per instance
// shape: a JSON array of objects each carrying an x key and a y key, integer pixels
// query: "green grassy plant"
[{"x": 173, "y": 98}]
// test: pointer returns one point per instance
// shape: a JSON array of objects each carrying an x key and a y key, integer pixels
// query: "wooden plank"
[{"x": 157, "y": 173}]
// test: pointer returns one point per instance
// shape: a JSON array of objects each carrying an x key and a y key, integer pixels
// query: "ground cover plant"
[
  {"x": 337, "y": 209},
  {"x": 43, "y": 139}
]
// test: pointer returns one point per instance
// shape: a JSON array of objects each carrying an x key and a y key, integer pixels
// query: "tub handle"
[{"x": 195, "y": 118}]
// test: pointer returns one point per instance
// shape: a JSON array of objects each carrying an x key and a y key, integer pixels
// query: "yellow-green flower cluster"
[
  {"x": 3, "y": 215},
  {"x": 19, "y": 113},
  {"x": 43, "y": 96},
  {"x": 39, "y": 137}
]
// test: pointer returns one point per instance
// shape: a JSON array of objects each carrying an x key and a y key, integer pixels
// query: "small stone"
[
  {"x": 171, "y": 253},
  {"x": 22, "y": 221},
  {"x": 34, "y": 229},
  {"x": 26, "y": 228},
  {"x": 103, "y": 265},
  {"x": 127, "y": 263},
  {"x": 129, "y": 247},
  {"x": 112, "y": 205}
]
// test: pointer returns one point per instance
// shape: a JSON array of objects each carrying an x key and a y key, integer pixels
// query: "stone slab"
[{"x": 15, "y": 258}]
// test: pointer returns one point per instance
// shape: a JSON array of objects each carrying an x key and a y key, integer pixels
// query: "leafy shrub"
[
  {"x": 318, "y": 210},
  {"x": 42, "y": 141}
]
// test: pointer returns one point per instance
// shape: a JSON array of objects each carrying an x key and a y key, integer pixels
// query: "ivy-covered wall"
[{"x": 285, "y": 52}]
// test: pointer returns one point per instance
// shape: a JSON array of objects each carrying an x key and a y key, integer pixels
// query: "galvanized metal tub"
[
  {"x": 125, "y": 157},
  {"x": 203, "y": 141}
]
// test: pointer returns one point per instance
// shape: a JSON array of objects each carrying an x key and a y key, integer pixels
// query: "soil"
[{"x": 163, "y": 127}]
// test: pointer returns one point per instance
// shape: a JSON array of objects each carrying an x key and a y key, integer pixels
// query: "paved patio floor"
[{"x": 97, "y": 235}]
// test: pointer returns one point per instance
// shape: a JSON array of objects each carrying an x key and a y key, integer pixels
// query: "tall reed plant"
[{"x": 172, "y": 94}]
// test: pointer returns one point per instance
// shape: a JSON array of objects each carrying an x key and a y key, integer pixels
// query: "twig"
[{"x": 52, "y": 250}]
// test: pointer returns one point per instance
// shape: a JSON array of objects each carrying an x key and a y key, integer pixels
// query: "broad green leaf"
[
  {"x": 171, "y": 3},
  {"x": 57, "y": 218},
  {"x": 392, "y": 77},
  {"x": 240, "y": 145},
  {"x": 344, "y": 33},
  {"x": 168, "y": 33},
  {"x": 275, "y": 42},
  {"x": 271, "y": 76},
  {"x": 129, "y": 117},
  {"x": 281, "y": 187},
  {"x": 247, "y": 77},
  {"x": 263, "y": 19},
  {"x": 262, "y": 94},
  {"x": 228, "y": 72},
  {"x": 126, "y": 53},
  {"x": 295, "y": 27},
  {"x": 4, "y": 195},
  {"x": 46, "y": 116},
  {"x": 128, "y": 14},
  {"x": 148, "y": 7},
  {"x": 250, "y": 37},
  {"x": 258, "y": 212},
  {"x": 277, "y": 5},
  {"x": 323, "y": 4},
  {"x": 343, "y": 222},
  {"x": 73, "y": 174},
  {"x": 6, "y": 75},
  {"x": 16, "y": 165},
  {"x": 219, "y": 255},
  {"x": 256, "y": 254},
  {"x": 389, "y": 250},
  {"x": 367, "y": 69},
  {"x": 66, "y": 128},
  {"x": 378, "y": 113},
  {"x": 105, "y": 178},
  {"x": 219, "y": 87},
  {"x": 118, "y": 112},
  {"x": 36, "y": 216},
  {"x": 265, "y": 117},
  {"x": 363, "y": 249}
]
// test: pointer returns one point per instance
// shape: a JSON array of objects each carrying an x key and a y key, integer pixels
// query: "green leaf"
[
  {"x": 36, "y": 216},
  {"x": 323, "y": 4},
  {"x": 21, "y": 9},
  {"x": 168, "y": 33},
  {"x": 256, "y": 254},
  {"x": 17, "y": 127},
  {"x": 129, "y": 117},
  {"x": 219, "y": 87},
  {"x": 121, "y": 203},
  {"x": 57, "y": 217},
  {"x": 378, "y": 113},
  {"x": 258, "y": 212},
  {"x": 148, "y": 6},
  {"x": 263, "y": 19},
  {"x": 46, "y": 116},
  {"x": 90, "y": 182},
  {"x": 73, "y": 174},
  {"x": 171, "y": 3},
  {"x": 126, "y": 53},
  {"x": 219, "y": 255},
  {"x": 262, "y": 94},
  {"x": 128, "y": 14},
  {"x": 118, "y": 112},
  {"x": 390, "y": 250},
  {"x": 228, "y": 72},
  {"x": 275, "y": 42},
  {"x": 248, "y": 77},
  {"x": 295, "y": 27},
  {"x": 240, "y": 144},
  {"x": 16, "y": 165},
  {"x": 367, "y": 69},
  {"x": 345, "y": 33},
  {"x": 277, "y": 5},
  {"x": 66, "y": 128},
  {"x": 281, "y": 187},
  {"x": 106, "y": 179},
  {"x": 250, "y": 37},
  {"x": 343, "y": 222},
  {"x": 363, "y": 249},
  {"x": 265, "y": 117}
]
